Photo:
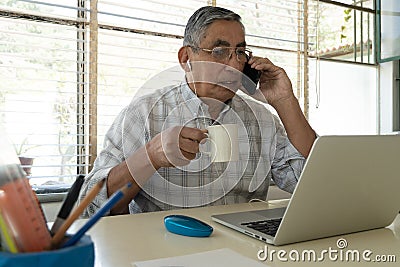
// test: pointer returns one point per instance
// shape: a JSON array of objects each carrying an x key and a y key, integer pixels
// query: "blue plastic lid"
[{"x": 187, "y": 226}]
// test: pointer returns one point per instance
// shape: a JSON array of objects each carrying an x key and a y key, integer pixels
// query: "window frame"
[{"x": 378, "y": 38}]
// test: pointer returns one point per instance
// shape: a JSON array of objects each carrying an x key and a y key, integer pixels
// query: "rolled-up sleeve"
[
  {"x": 287, "y": 164},
  {"x": 110, "y": 156},
  {"x": 116, "y": 138}
]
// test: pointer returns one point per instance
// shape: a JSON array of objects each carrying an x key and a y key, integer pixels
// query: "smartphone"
[{"x": 250, "y": 78}]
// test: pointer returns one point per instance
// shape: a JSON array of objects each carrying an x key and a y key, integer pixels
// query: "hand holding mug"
[
  {"x": 222, "y": 143},
  {"x": 175, "y": 146}
]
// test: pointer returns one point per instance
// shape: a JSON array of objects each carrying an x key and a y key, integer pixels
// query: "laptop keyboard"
[{"x": 269, "y": 227}]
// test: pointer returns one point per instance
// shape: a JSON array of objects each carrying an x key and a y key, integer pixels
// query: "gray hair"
[{"x": 201, "y": 20}]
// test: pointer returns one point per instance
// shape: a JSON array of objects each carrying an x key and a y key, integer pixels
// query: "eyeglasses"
[{"x": 223, "y": 53}]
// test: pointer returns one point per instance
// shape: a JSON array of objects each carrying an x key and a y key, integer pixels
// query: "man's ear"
[{"x": 183, "y": 57}]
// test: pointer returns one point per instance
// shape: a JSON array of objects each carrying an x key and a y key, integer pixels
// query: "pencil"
[
  {"x": 68, "y": 204},
  {"x": 58, "y": 237},
  {"x": 100, "y": 213}
]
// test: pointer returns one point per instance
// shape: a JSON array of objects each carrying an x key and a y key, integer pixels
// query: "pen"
[
  {"x": 58, "y": 237},
  {"x": 106, "y": 207},
  {"x": 68, "y": 204}
]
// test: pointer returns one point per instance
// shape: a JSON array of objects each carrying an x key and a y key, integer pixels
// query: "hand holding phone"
[{"x": 250, "y": 78}]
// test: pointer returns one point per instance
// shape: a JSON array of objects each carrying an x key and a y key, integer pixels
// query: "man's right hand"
[{"x": 175, "y": 146}]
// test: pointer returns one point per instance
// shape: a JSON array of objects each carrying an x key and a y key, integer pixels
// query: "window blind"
[
  {"x": 69, "y": 67},
  {"x": 136, "y": 41},
  {"x": 39, "y": 89},
  {"x": 274, "y": 29}
]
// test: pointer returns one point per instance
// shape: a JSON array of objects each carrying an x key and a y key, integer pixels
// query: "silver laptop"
[{"x": 348, "y": 184}]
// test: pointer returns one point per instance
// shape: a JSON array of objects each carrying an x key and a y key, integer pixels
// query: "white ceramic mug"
[{"x": 222, "y": 143}]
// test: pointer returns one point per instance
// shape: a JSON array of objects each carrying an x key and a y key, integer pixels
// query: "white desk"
[{"x": 121, "y": 240}]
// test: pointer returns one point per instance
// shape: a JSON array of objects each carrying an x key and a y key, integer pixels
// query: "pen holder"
[{"x": 79, "y": 255}]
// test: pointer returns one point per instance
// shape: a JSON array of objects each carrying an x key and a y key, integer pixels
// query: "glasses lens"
[
  {"x": 220, "y": 53},
  {"x": 224, "y": 53},
  {"x": 242, "y": 54}
]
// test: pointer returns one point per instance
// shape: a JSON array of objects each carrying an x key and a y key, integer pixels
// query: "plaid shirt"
[{"x": 264, "y": 152}]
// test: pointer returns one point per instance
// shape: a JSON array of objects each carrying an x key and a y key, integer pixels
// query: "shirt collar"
[
  {"x": 196, "y": 106},
  {"x": 192, "y": 101}
]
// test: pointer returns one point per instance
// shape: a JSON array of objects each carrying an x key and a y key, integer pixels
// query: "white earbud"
[{"x": 189, "y": 65}]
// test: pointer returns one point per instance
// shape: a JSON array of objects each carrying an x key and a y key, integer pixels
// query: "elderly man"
[{"x": 154, "y": 143}]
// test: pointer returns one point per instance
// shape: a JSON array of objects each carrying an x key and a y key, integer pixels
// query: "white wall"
[
  {"x": 348, "y": 102},
  {"x": 387, "y": 89}
]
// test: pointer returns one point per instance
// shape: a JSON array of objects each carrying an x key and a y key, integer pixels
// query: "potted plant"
[{"x": 25, "y": 160}]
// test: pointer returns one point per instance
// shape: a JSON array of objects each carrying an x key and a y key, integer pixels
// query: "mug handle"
[{"x": 204, "y": 143}]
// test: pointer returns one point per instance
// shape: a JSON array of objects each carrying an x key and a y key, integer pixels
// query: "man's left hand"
[{"x": 274, "y": 83}]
